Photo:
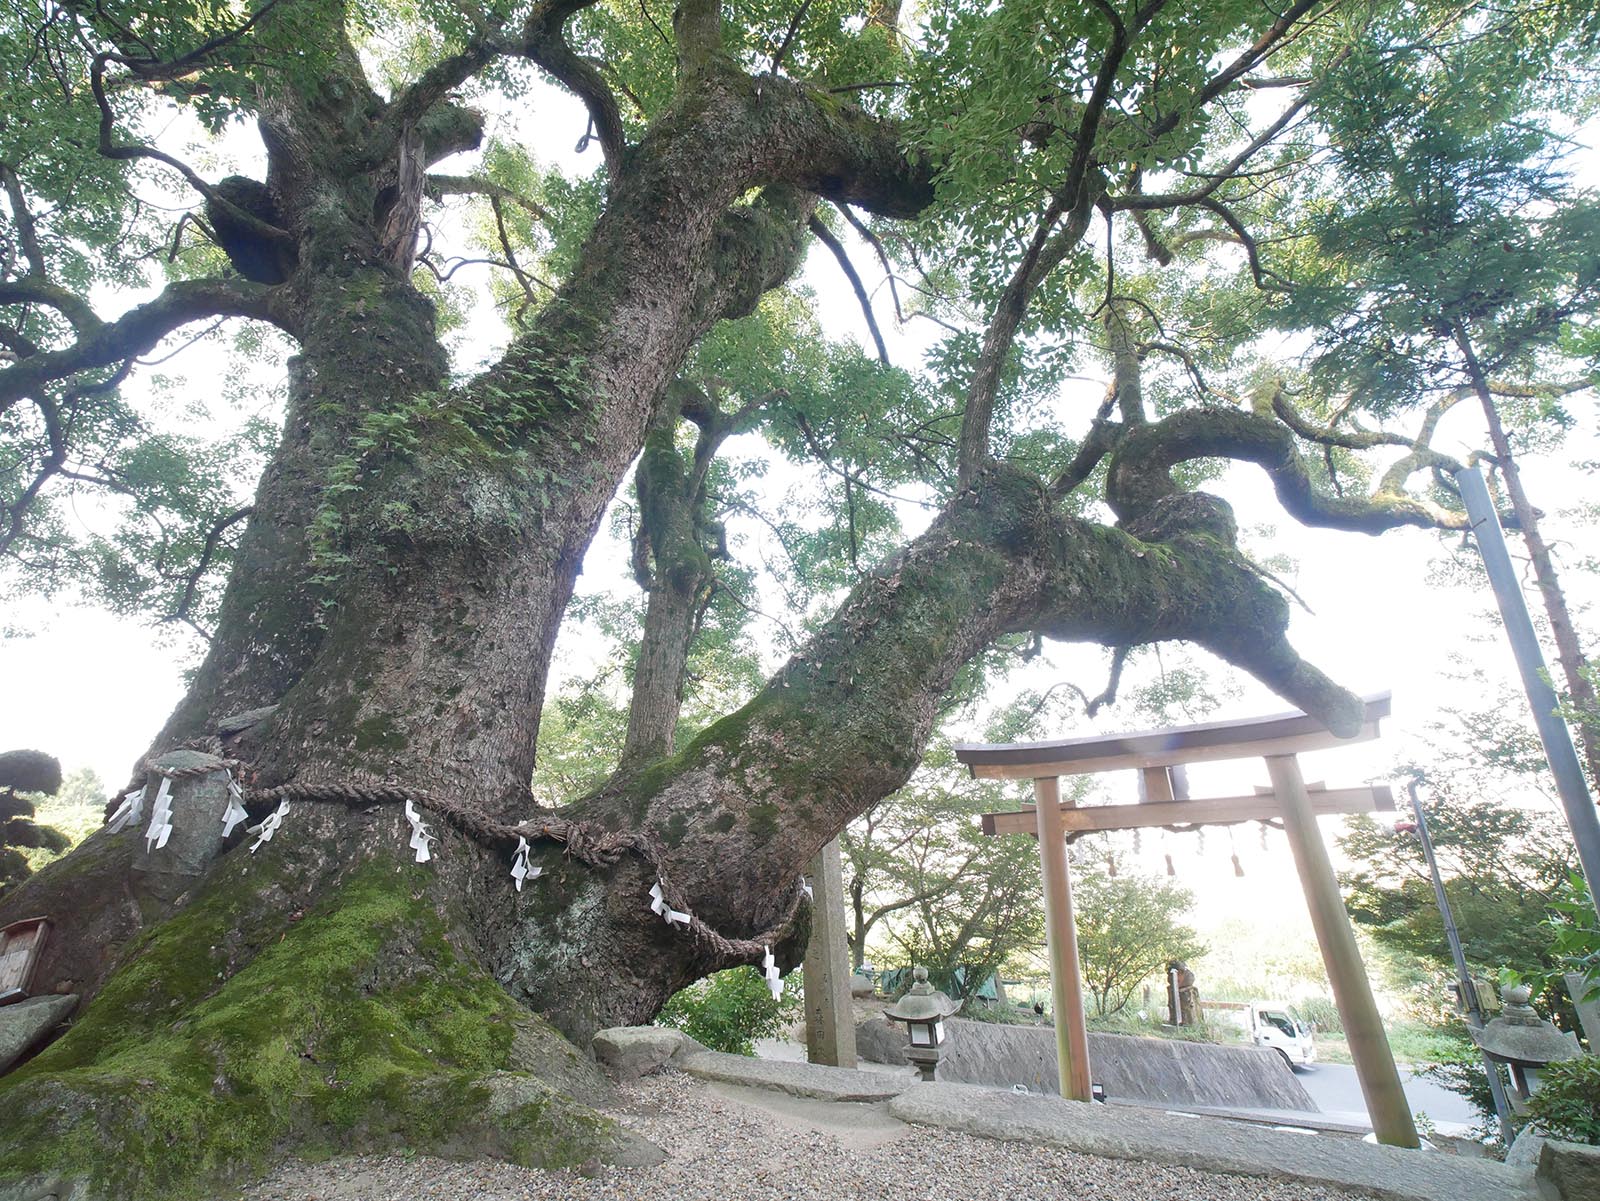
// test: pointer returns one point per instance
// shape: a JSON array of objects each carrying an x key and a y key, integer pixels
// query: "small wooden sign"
[{"x": 20, "y": 946}]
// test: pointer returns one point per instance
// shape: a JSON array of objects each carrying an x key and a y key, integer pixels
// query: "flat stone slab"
[
  {"x": 797, "y": 1079},
  {"x": 183, "y": 759},
  {"x": 1209, "y": 1145},
  {"x": 1161, "y": 1071},
  {"x": 24, "y": 1025}
]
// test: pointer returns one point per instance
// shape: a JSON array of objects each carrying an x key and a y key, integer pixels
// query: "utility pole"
[
  {"x": 1553, "y": 733},
  {"x": 1469, "y": 990}
]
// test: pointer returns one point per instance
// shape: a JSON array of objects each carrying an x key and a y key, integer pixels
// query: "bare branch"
[
  {"x": 437, "y": 186},
  {"x": 207, "y": 553},
  {"x": 788, "y": 37},
  {"x": 110, "y": 148}
]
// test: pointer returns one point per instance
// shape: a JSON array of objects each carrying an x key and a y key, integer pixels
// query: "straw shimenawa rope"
[{"x": 584, "y": 841}]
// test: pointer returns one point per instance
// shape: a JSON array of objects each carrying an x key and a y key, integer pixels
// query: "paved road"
[{"x": 1333, "y": 1086}]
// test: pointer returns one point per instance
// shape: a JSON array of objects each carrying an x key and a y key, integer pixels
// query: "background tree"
[
  {"x": 1456, "y": 260},
  {"x": 1129, "y": 926},
  {"x": 918, "y": 863},
  {"x": 25, "y": 778},
  {"x": 1503, "y": 851}
]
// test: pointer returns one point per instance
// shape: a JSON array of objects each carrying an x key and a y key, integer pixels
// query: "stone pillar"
[
  {"x": 830, "y": 1018},
  {"x": 1588, "y": 1011},
  {"x": 198, "y": 802}
]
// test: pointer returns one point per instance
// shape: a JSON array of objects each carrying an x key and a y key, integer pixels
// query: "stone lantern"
[
  {"x": 1524, "y": 1042},
  {"x": 923, "y": 1010}
]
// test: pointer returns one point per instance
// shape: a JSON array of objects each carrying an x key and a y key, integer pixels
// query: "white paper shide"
[
  {"x": 127, "y": 813},
  {"x": 420, "y": 835},
  {"x": 269, "y": 826},
  {"x": 160, "y": 818},
  {"x": 234, "y": 813},
  {"x": 521, "y": 869},
  {"x": 658, "y": 904},
  {"x": 769, "y": 969}
]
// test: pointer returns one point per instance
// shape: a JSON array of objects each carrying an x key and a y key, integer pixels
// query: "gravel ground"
[{"x": 722, "y": 1150}]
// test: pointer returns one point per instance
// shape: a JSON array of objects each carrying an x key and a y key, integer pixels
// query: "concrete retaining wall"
[{"x": 1129, "y": 1068}]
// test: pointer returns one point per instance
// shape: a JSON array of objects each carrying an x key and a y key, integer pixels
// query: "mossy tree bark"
[{"x": 395, "y": 602}]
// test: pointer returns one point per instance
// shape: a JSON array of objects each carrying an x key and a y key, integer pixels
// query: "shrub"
[
  {"x": 1567, "y": 1104},
  {"x": 1322, "y": 1013},
  {"x": 729, "y": 1010}
]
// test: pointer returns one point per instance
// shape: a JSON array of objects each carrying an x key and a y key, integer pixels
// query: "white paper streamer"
[
  {"x": 160, "y": 818},
  {"x": 769, "y": 969},
  {"x": 420, "y": 837},
  {"x": 521, "y": 869},
  {"x": 658, "y": 903},
  {"x": 269, "y": 826},
  {"x": 130, "y": 811},
  {"x": 234, "y": 813},
  {"x": 806, "y": 884}
]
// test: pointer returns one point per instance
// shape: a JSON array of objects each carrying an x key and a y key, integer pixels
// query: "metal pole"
[
  {"x": 1553, "y": 733},
  {"x": 1061, "y": 936},
  {"x": 1469, "y": 991},
  {"x": 1352, "y": 991}
]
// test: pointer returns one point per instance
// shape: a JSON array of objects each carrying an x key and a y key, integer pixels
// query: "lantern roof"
[
  {"x": 1521, "y": 1036},
  {"x": 922, "y": 1002}
]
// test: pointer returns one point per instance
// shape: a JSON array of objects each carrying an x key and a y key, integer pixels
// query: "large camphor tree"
[{"x": 1042, "y": 181}]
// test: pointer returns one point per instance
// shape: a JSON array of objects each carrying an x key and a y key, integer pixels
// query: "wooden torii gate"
[{"x": 1156, "y": 754}]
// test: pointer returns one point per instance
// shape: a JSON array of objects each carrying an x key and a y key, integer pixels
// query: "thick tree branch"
[
  {"x": 1140, "y": 476},
  {"x": 544, "y": 40},
  {"x": 137, "y": 331}
]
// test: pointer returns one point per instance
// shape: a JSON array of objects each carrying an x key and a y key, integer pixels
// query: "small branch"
[
  {"x": 207, "y": 552},
  {"x": 872, "y": 239},
  {"x": 788, "y": 37},
  {"x": 110, "y": 148},
  {"x": 27, "y": 233},
  {"x": 825, "y": 236}
]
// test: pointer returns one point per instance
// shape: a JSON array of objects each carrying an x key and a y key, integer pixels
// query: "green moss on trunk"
[{"x": 360, "y": 1027}]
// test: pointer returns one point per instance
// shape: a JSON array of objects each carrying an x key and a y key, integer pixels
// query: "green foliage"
[
  {"x": 1322, "y": 1013},
  {"x": 22, "y": 835},
  {"x": 1567, "y": 1103},
  {"x": 1451, "y": 233},
  {"x": 1129, "y": 927},
  {"x": 730, "y": 1010},
  {"x": 1504, "y": 853}
]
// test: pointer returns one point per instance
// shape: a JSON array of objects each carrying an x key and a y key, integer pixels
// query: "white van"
[{"x": 1273, "y": 1024}]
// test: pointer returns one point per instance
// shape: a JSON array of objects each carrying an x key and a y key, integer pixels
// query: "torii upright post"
[
  {"x": 1358, "y": 1011},
  {"x": 1061, "y": 938}
]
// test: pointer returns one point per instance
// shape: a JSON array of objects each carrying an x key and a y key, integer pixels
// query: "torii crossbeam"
[{"x": 1160, "y": 756}]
